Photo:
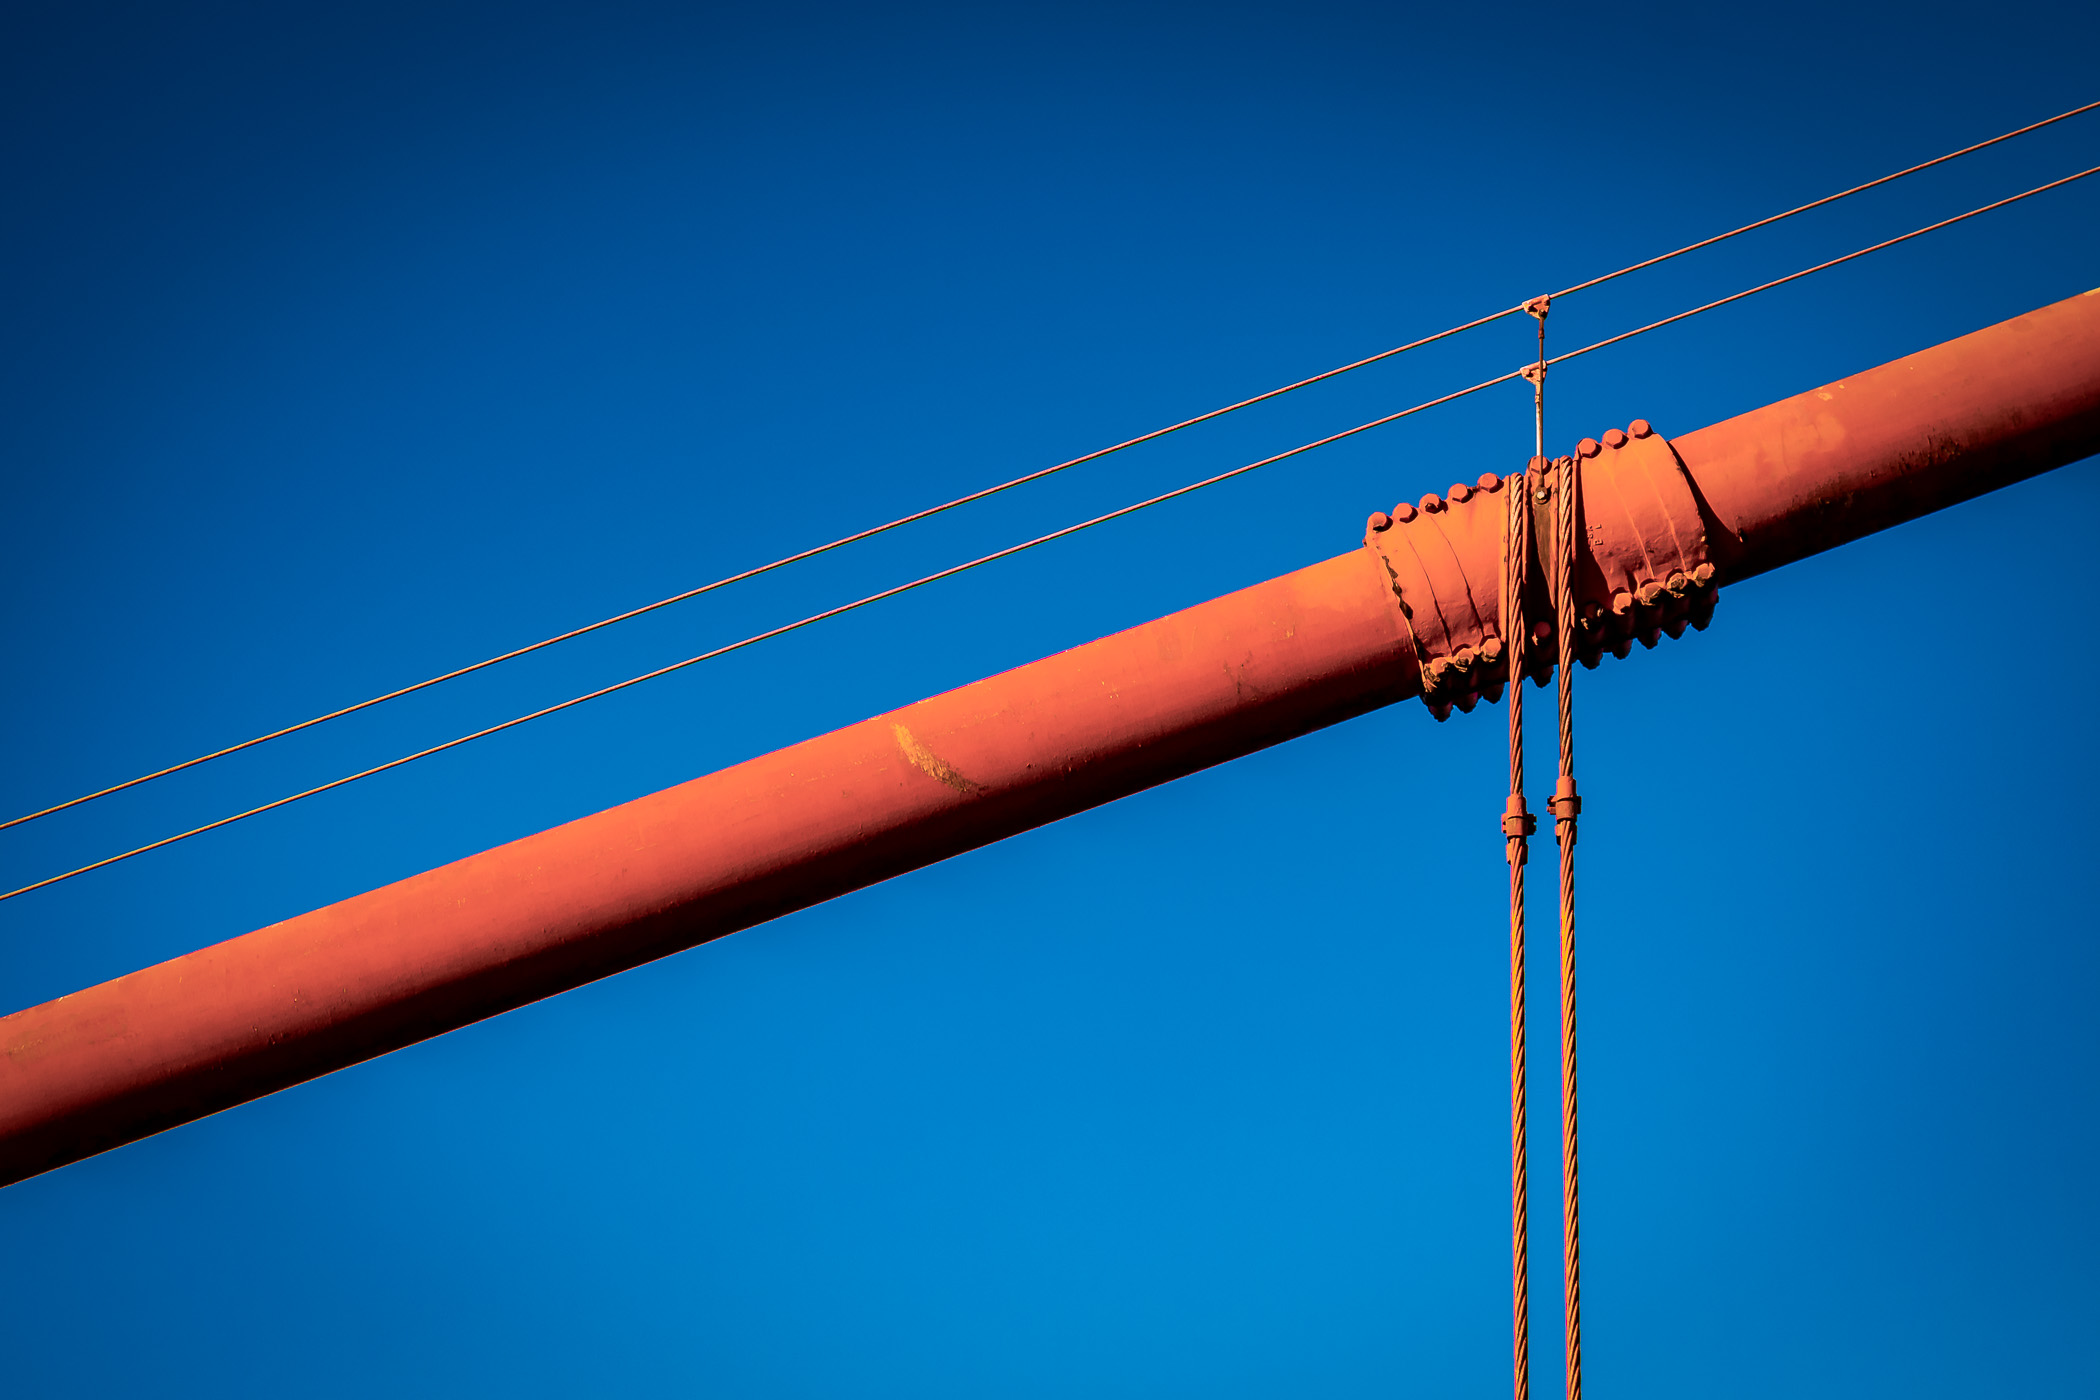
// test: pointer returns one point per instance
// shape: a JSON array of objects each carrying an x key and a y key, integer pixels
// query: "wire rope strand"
[
  {"x": 1517, "y": 826},
  {"x": 1519, "y": 1164},
  {"x": 1517, "y": 853},
  {"x": 1566, "y": 806},
  {"x": 1023, "y": 480}
]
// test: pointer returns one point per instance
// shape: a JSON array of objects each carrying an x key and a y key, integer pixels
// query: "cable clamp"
[
  {"x": 1534, "y": 373},
  {"x": 1565, "y": 804},
  {"x": 1517, "y": 821},
  {"x": 1537, "y": 307}
]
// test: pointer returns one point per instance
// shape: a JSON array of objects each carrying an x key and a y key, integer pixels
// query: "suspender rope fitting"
[{"x": 1619, "y": 518}]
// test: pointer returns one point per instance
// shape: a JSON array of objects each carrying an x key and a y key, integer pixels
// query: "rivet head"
[
  {"x": 1648, "y": 593},
  {"x": 1703, "y": 575},
  {"x": 1588, "y": 447},
  {"x": 1432, "y": 503},
  {"x": 1403, "y": 512},
  {"x": 1677, "y": 583},
  {"x": 1379, "y": 521},
  {"x": 1621, "y": 602},
  {"x": 1461, "y": 492},
  {"x": 1490, "y": 482},
  {"x": 1613, "y": 438},
  {"x": 1639, "y": 428}
]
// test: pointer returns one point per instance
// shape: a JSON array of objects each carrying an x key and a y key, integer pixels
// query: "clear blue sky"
[{"x": 342, "y": 347}]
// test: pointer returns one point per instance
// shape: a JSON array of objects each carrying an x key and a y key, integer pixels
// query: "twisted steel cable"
[
  {"x": 1566, "y": 806},
  {"x": 1026, "y": 478},
  {"x": 1519, "y": 1166},
  {"x": 1517, "y": 827}
]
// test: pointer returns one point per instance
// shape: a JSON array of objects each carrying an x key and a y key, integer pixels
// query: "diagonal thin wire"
[
  {"x": 949, "y": 572},
  {"x": 1028, "y": 544},
  {"x": 1822, "y": 266},
  {"x": 1023, "y": 480},
  {"x": 1826, "y": 199},
  {"x": 752, "y": 573}
]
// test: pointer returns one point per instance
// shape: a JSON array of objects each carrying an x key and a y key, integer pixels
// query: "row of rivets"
[
  {"x": 1431, "y": 504},
  {"x": 1651, "y": 609}
]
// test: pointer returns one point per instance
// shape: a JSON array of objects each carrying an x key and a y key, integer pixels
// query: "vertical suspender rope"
[
  {"x": 1517, "y": 827},
  {"x": 1565, "y": 807}
]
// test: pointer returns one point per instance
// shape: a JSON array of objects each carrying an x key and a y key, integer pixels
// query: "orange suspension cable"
[
  {"x": 1517, "y": 827},
  {"x": 1565, "y": 807}
]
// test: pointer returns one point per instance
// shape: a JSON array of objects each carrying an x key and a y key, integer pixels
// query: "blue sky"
[{"x": 346, "y": 346}]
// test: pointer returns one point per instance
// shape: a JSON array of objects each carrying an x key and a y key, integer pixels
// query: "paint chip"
[{"x": 929, "y": 762}]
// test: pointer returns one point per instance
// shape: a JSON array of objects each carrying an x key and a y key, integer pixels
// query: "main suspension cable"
[
  {"x": 1023, "y": 480},
  {"x": 1011, "y": 550}
]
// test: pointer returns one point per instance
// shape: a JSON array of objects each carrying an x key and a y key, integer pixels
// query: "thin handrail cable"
[
  {"x": 785, "y": 628},
  {"x": 1003, "y": 486},
  {"x": 1819, "y": 203},
  {"x": 998, "y": 488},
  {"x": 1821, "y": 266},
  {"x": 751, "y": 573},
  {"x": 1014, "y": 549}
]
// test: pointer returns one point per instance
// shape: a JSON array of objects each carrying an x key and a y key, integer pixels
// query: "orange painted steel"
[{"x": 495, "y": 931}]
